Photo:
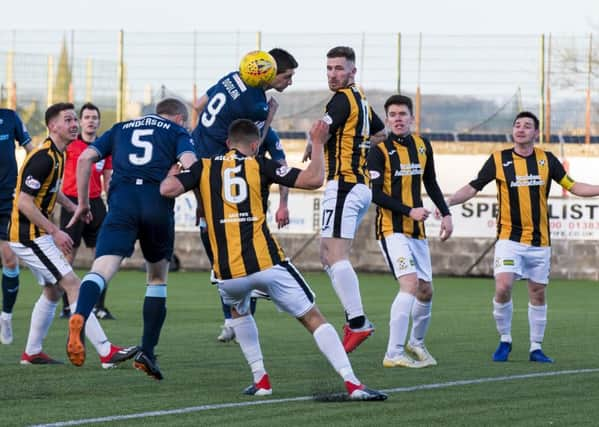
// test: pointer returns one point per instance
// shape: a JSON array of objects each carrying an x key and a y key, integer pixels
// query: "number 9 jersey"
[{"x": 228, "y": 100}]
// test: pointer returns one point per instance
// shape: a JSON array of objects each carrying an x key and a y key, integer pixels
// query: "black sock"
[
  {"x": 65, "y": 302},
  {"x": 357, "y": 322},
  {"x": 102, "y": 299},
  {"x": 10, "y": 289},
  {"x": 154, "y": 314},
  {"x": 253, "y": 302}
]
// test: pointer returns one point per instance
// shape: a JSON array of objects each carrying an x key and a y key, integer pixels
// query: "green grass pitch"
[{"x": 466, "y": 388}]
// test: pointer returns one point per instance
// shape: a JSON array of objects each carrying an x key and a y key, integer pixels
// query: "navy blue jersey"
[
  {"x": 11, "y": 129},
  {"x": 228, "y": 100},
  {"x": 143, "y": 150}
]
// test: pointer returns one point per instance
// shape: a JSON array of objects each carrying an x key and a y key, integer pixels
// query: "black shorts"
[{"x": 89, "y": 232}]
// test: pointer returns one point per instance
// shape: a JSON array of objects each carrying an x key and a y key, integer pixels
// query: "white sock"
[
  {"x": 246, "y": 332},
  {"x": 41, "y": 319},
  {"x": 228, "y": 322},
  {"x": 330, "y": 345},
  {"x": 537, "y": 320},
  {"x": 346, "y": 285},
  {"x": 421, "y": 319},
  {"x": 6, "y": 316},
  {"x": 399, "y": 321},
  {"x": 503, "y": 319},
  {"x": 94, "y": 333}
]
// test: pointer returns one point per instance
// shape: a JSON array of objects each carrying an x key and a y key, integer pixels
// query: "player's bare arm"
[
  {"x": 84, "y": 169},
  {"x": 582, "y": 189},
  {"x": 378, "y": 137},
  {"x": 273, "y": 106},
  {"x": 282, "y": 214},
  {"x": 313, "y": 176},
  {"x": 65, "y": 202}
]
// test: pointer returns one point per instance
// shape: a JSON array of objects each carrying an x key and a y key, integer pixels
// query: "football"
[{"x": 257, "y": 68}]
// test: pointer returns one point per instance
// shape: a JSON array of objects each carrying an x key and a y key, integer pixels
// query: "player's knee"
[{"x": 69, "y": 282}]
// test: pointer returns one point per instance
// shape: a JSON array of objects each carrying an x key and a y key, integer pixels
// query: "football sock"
[
  {"x": 330, "y": 345},
  {"x": 10, "y": 288},
  {"x": 41, "y": 319},
  {"x": 226, "y": 309},
  {"x": 102, "y": 299},
  {"x": 346, "y": 285},
  {"x": 503, "y": 319},
  {"x": 154, "y": 314},
  {"x": 246, "y": 333},
  {"x": 421, "y": 319},
  {"x": 91, "y": 287},
  {"x": 399, "y": 321},
  {"x": 65, "y": 302},
  {"x": 537, "y": 320},
  {"x": 94, "y": 333}
]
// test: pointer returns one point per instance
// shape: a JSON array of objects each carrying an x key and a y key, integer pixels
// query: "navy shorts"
[{"x": 138, "y": 212}]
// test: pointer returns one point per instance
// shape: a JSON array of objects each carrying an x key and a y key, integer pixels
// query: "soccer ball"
[{"x": 257, "y": 68}]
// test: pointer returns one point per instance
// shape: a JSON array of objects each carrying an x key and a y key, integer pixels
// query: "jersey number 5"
[{"x": 147, "y": 147}]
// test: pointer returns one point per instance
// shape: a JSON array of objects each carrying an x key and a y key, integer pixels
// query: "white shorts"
[
  {"x": 525, "y": 261},
  {"x": 46, "y": 262},
  {"x": 406, "y": 255},
  {"x": 343, "y": 207},
  {"x": 283, "y": 283}
]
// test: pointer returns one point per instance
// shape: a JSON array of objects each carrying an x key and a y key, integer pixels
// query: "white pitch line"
[{"x": 304, "y": 398}]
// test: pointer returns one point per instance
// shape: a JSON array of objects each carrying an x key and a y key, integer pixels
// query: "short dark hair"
[
  {"x": 527, "y": 114},
  {"x": 285, "y": 61},
  {"x": 55, "y": 109},
  {"x": 89, "y": 106},
  {"x": 243, "y": 131},
  {"x": 342, "y": 52},
  {"x": 172, "y": 107},
  {"x": 399, "y": 100}
]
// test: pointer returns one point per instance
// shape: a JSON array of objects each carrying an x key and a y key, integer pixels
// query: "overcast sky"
[{"x": 414, "y": 16}]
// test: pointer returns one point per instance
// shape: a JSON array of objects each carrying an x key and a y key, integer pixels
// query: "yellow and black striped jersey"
[
  {"x": 523, "y": 185},
  {"x": 41, "y": 177},
  {"x": 398, "y": 168},
  {"x": 234, "y": 191},
  {"x": 351, "y": 123}
]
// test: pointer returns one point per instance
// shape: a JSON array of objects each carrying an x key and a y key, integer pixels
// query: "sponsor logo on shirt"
[
  {"x": 527, "y": 181},
  {"x": 409, "y": 169},
  {"x": 32, "y": 183}
]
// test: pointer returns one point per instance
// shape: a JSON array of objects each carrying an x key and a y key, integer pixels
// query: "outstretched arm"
[
  {"x": 583, "y": 189},
  {"x": 312, "y": 177},
  {"x": 84, "y": 169},
  {"x": 282, "y": 214},
  {"x": 462, "y": 195}
]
